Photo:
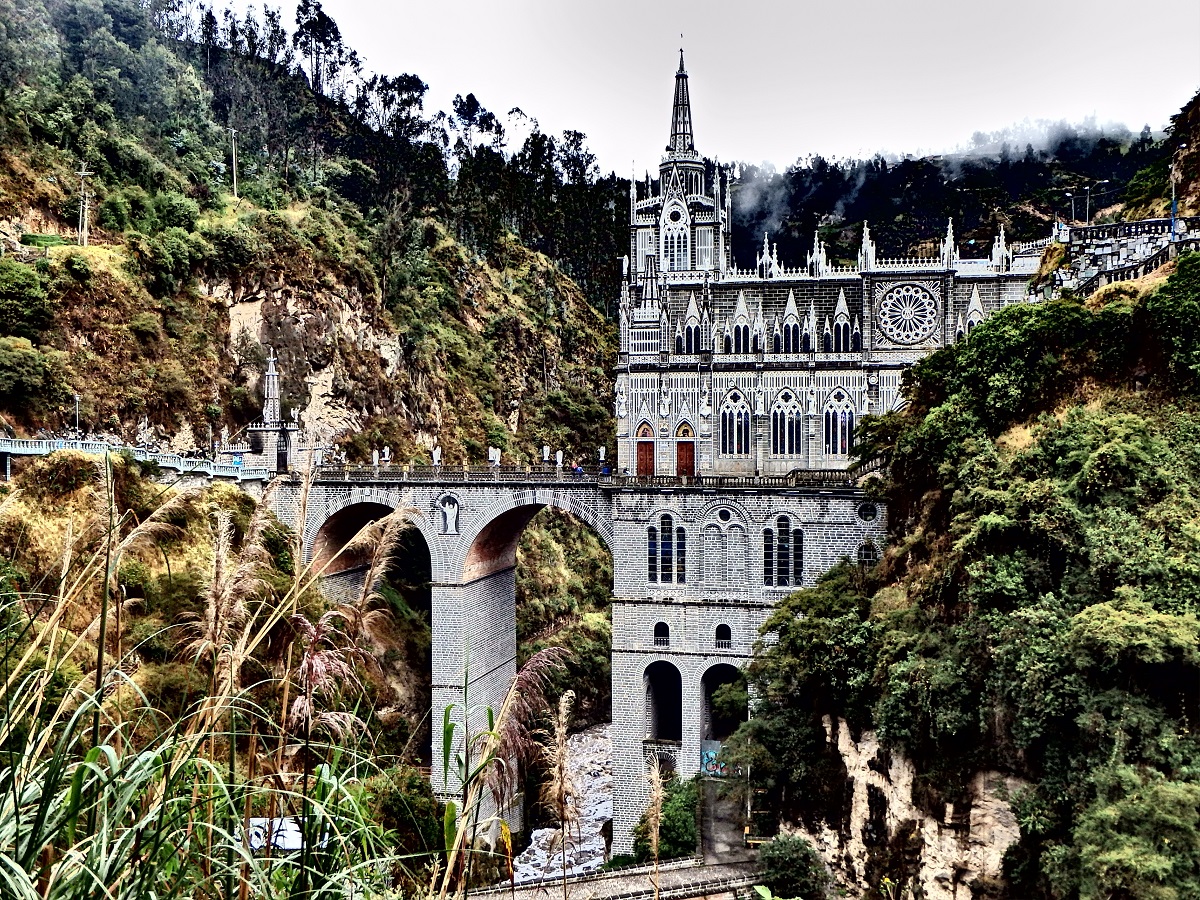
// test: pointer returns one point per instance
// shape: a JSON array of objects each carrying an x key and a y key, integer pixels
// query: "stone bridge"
[
  {"x": 471, "y": 521},
  {"x": 698, "y": 564}
]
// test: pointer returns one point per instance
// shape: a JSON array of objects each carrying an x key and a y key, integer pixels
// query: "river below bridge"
[{"x": 590, "y": 760}]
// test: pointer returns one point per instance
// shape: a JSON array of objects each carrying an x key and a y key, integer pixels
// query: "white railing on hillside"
[
  {"x": 175, "y": 462},
  {"x": 1026, "y": 247}
]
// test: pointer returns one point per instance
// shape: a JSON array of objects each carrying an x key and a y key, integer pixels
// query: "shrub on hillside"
[
  {"x": 1175, "y": 317},
  {"x": 30, "y": 379},
  {"x": 176, "y": 211},
  {"x": 24, "y": 310},
  {"x": 791, "y": 868}
]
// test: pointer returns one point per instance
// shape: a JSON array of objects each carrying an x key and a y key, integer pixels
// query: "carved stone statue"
[
  {"x": 664, "y": 399},
  {"x": 449, "y": 507},
  {"x": 760, "y": 402},
  {"x": 705, "y": 401},
  {"x": 622, "y": 401},
  {"x": 437, "y": 456}
]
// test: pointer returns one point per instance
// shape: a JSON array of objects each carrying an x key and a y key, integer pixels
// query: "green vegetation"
[
  {"x": 792, "y": 868},
  {"x": 1037, "y": 613},
  {"x": 678, "y": 836}
]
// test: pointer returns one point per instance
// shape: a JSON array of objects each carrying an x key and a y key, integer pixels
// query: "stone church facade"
[
  {"x": 727, "y": 371},
  {"x": 738, "y": 393}
]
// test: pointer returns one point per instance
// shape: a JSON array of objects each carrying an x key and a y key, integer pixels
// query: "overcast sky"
[{"x": 777, "y": 81}]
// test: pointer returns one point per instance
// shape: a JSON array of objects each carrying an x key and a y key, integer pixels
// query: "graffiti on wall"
[{"x": 710, "y": 759}]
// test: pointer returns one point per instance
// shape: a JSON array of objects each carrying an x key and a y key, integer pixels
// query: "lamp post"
[
  {"x": 1174, "y": 178},
  {"x": 77, "y": 415},
  {"x": 1072, "y": 196},
  {"x": 1089, "y": 198}
]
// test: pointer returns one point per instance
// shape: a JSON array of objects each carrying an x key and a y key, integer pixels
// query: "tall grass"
[
  {"x": 102, "y": 797},
  {"x": 97, "y": 803}
]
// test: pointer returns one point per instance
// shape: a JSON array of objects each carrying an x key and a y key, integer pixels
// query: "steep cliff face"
[
  {"x": 435, "y": 345},
  {"x": 953, "y": 851}
]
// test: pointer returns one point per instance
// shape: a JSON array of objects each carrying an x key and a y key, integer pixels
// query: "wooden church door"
[{"x": 645, "y": 451}]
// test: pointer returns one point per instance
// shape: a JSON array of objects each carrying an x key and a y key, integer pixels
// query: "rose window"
[{"x": 908, "y": 314}]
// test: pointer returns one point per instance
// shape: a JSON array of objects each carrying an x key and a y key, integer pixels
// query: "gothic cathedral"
[{"x": 728, "y": 371}]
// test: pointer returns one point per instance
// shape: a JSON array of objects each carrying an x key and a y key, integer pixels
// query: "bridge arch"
[
  {"x": 489, "y": 542},
  {"x": 362, "y": 504},
  {"x": 327, "y": 552}
]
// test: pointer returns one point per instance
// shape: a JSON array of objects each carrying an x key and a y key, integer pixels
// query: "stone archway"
[
  {"x": 328, "y": 553},
  {"x": 719, "y": 721},
  {"x": 474, "y": 604},
  {"x": 664, "y": 702}
]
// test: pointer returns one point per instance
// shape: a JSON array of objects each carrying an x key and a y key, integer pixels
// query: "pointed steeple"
[
  {"x": 1000, "y": 252},
  {"x": 271, "y": 392},
  {"x": 949, "y": 252},
  {"x": 866, "y": 254},
  {"x": 681, "y": 114},
  {"x": 741, "y": 312},
  {"x": 974, "y": 308}
]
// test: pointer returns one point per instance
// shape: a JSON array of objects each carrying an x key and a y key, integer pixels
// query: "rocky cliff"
[{"x": 952, "y": 851}]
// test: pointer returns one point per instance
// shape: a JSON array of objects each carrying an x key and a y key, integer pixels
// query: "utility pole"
[
  {"x": 83, "y": 174},
  {"x": 1089, "y": 198},
  {"x": 1072, "y": 196},
  {"x": 233, "y": 139}
]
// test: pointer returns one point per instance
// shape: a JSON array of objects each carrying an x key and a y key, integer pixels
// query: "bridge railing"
[
  {"x": 444, "y": 474},
  {"x": 554, "y": 475},
  {"x": 185, "y": 465}
]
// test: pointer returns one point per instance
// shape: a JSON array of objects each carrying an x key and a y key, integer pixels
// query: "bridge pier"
[{"x": 474, "y": 662}]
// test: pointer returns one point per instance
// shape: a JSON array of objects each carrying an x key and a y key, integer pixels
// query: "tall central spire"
[{"x": 681, "y": 115}]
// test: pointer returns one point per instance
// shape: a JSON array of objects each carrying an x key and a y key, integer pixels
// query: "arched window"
[
  {"x": 839, "y": 424},
  {"x": 724, "y": 638},
  {"x": 662, "y": 635},
  {"x": 741, "y": 338},
  {"x": 735, "y": 426},
  {"x": 868, "y": 555},
  {"x": 783, "y": 554},
  {"x": 679, "y": 343},
  {"x": 828, "y": 342},
  {"x": 856, "y": 341},
  {"x": 786, "y": 425},
  {"x": 666, "y": 551},
  {"x": 841, "y": 337},
  {"x": 806, "y": 345},
  {"x": 757, "y": 343},
  {"x": 675, "y": 244},
  {"x": 736, "y": 546},
  {"x": 692, "y": 338},
  {"x": 728, "y": 344},
  {"x": 776, "y": 343}
]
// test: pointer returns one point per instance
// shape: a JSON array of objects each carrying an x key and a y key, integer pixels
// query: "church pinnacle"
[{"x": 681, "y": 114}]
